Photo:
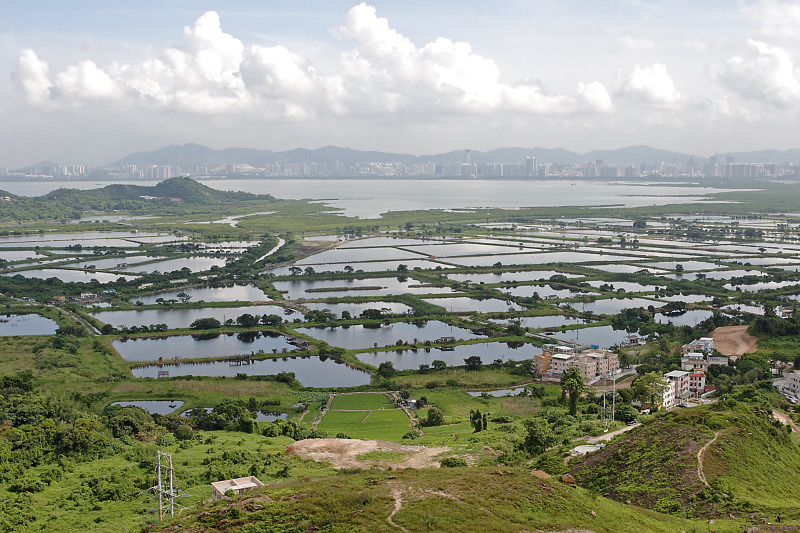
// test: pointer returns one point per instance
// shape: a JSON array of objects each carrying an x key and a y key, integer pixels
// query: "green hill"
[
  {"x": 167, "y": 197},
  {"x": 748, "y": 460},
  {"x": 458, "y": 499}
]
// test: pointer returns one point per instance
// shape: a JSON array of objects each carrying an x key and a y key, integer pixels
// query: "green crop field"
[
  {"x": 361, "y": 402},
  {"x": 381, "y": 425}
]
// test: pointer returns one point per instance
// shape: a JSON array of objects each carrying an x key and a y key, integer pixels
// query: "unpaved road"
[
  {"x": 733, "y": 340},
  {"x": 610, "y": 435},
  {"x": 343, "y": 453}
]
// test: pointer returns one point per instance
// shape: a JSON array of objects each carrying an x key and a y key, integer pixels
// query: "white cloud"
[
  {"x": 636, "y": 43},
  {"x": 33, "y": 76},
  {"x": 651, "y": 84},
  {"x": 777, "y": 18},
  {"x": 85, "y": 81},
  {"x": 767, "y": 74},
  {"x": 389, "y": 73},
  {"x": 595, "y": 96},
  {"x": 213, "y": 72}
]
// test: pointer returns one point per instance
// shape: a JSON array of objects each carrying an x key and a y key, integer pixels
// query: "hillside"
[
  {"x": 748, "y": 461},
  {"x": 169, "y": 196},
  {"x": 460, "y": 499},
  {"x": 191, "y": 155}
]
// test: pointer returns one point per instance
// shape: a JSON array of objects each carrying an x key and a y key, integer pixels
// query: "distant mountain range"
[{"x": 192, "y": 155}]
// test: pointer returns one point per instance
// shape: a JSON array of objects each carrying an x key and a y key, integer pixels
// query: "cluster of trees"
[{"x": 245, "y": 320}]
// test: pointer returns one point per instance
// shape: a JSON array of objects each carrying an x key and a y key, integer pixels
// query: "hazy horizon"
[{"x": 90, "y": 84}]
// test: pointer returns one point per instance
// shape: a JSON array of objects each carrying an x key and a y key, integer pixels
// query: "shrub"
[
  {"x": 166, "y": 440},
  {"x": 453, "y": 462},
  {"x": 184, "y": 432},
  {"x": 435, "y": 417}
]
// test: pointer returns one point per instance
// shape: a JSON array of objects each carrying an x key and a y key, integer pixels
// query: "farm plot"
[
  {"x": 360, "y": 416},
  {"x": 361, "y": 402}
]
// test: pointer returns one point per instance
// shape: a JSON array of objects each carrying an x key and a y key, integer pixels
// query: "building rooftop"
[
  {"x": 676, "y": 374},
  {"x": 239, "y": 483}
]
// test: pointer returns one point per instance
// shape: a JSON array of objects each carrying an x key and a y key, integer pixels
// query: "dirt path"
[
  {"x": 734, "y": 340},
  {"x": 398, "y": 504},
  {"x": 608, "y": 436},
  {"x": 343, "y": 453},
  {"x": 700, "y": 473},
  {"x": 786, "y": 419}
]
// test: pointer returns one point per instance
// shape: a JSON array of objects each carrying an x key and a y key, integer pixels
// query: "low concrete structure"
[{"x": 219, "y": 489}]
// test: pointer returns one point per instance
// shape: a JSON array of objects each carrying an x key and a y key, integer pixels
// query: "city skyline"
[{"x": 91, "y": 82}]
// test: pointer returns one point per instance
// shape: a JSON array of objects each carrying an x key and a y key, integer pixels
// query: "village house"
[
  {"x": 677, "y": 389},
  {"x": 703, "y": 344},
  {"x": 693, "y": 360},
  {"x": 592, "y": 364}
]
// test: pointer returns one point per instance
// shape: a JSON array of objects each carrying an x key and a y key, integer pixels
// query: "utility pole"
[{"x": 164, "y": 462}]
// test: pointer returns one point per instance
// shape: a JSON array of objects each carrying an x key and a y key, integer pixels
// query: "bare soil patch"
[
  {"x": 343, "y": 453},
  {"x": 734, "y": 340}
]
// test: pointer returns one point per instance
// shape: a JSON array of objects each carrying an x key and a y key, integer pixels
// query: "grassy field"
[
  {"x": 476, "y": 379},
  {"x": 459, "y": 499},
  {"x": 751, "y": 464},
  {"x": 381, "y": 425},
  {"x": 456, "y": 403},
  {"x": 361, "y": 402}
]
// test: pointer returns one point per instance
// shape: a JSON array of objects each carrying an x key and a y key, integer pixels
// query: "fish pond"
[
  {"x": 410, "y": 359},
  {"x": 309, "y": 371},
  {"x": 181, "y": 318},
  {"x": 200, "y": 346},
  {"x": 361, "y": 336}
]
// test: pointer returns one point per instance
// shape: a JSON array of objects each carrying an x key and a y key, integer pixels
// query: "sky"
[{"x": 89, "y": 81}]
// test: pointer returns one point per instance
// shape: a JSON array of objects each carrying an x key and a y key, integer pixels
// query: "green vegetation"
[
  {"x": 72, "y": 461},
  {"x": 361, "y": 402},
  {"x": 749, "y": 463},
  {"x": 450, "y": 499},
  {"x": 381, "y": 425}
]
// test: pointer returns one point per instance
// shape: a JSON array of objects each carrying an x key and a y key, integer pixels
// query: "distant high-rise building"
[{"x": 530, "y": 166}]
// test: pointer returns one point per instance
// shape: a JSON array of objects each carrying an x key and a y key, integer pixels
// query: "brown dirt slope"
[{"x": 733, "y": 340}]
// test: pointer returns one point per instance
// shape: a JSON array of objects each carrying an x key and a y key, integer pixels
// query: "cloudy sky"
[{"x": 92, "y": 80}]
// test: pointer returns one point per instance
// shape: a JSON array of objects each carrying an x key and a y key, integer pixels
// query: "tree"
[
  {"x": 371, "y": 314},
  {"x": 624, "y": 360},
  {"x": 438, "y": 364},
  {"x": 626, "y": 413},
  {"x": 309, "y": 271},
  {"x": 295, "y": 271},
  {"x": 402, "y": 268},
  {"x": 678, "y": 268},
  {"x": 435, "y": 417},
  {"x": 205, "y": 323},
  {"x": 247, "y": 320},
  {"x": 473, "y": 363},
  {"x": 386, "y": 369},
  {"x": 539, "y": 436},
  {"x": 475, "y": 419},
  {"x": 271, "y": 320},
  {"x": 348, "y": 269},
  {"x": 346, "y": 315},
  {"x": 573, "y": 386},
  {"x": 649, "y": 389},
  {"x": 184, "y": 297}
]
